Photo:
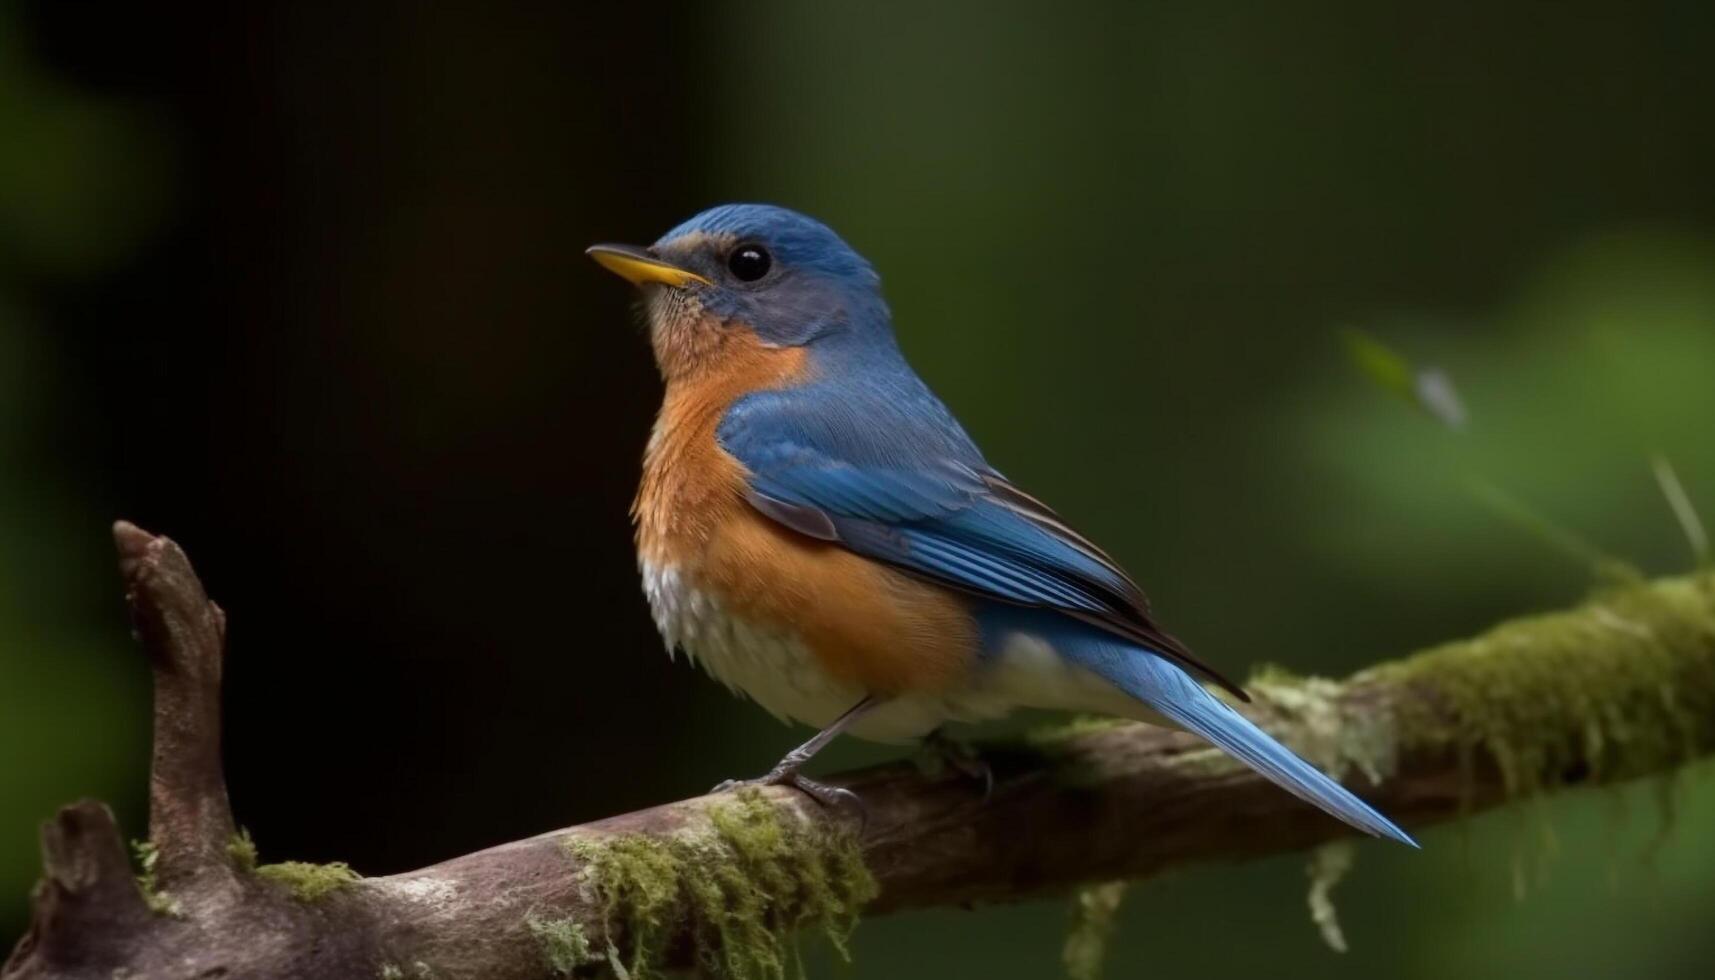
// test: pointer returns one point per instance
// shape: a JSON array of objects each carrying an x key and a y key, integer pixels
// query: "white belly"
[{"x": 774, "y": 668}]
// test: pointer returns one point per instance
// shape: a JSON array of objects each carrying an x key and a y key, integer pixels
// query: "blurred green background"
[{"x": 300, "y": 285}]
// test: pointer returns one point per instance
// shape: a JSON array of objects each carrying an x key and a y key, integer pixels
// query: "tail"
[{"x": 1172, "y": 693}]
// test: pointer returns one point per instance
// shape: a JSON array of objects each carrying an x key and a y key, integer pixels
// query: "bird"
[{"x": 817, "y": 531}]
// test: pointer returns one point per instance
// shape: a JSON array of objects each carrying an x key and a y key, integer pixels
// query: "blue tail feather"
[{"x": 1175, "y": 694}]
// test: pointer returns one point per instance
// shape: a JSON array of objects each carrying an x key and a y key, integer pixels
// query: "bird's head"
[{"x": 765, "y": 273}]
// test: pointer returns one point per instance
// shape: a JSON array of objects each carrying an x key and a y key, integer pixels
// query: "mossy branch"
[{"x": 1621, "y": 686}]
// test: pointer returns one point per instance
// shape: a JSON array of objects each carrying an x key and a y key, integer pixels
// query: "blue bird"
[{"x": 816, "y": 529}]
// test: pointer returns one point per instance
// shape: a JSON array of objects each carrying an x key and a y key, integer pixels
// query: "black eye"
[{"x": 749, "y": 262}]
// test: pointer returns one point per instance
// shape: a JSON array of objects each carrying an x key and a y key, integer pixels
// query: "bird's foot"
[
  {"x": 829, "y": 796},
  {"x": 942, "y": 749}
]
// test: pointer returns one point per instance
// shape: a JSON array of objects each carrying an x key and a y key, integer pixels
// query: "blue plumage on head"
[
  {"x": 797, "y": 240},
  {"x": 816, "y": 288}
]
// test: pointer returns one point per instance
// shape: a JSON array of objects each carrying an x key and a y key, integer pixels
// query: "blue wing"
[{"x": 877, "y": 464}]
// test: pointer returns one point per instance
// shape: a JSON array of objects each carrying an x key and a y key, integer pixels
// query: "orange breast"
[
  {"x": 866, "y": 623},
  {"x": 691, "y": 486}
]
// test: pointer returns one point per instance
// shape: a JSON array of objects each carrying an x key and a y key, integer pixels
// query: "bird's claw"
[
  {"x": 961, "y": 757},
  {"x": 829, "y": 796}
]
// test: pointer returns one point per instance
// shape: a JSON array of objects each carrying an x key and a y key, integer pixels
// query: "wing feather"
[{"x": 924, "y": 501}]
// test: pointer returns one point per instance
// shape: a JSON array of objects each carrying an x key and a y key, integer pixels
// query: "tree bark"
[{"x": 1620, "y": 687}]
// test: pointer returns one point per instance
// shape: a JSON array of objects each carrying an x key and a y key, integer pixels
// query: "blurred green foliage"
[
  {"x": 81, "y": 182},
  {"x": 82, "y": 179},
  {"x": 1602, "y": 360}
]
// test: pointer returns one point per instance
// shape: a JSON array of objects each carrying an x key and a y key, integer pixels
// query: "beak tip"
[{"x": 638, "y": 266}]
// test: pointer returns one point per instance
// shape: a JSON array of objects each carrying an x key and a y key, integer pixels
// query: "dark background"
[{"x": 302, "y": 287}]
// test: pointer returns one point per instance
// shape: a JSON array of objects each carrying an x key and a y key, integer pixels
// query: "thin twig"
[{"x": 1683, "y": 511}]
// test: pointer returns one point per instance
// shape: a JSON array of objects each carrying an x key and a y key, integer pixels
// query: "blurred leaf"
[
  {"x": 1381, "y": 364},
  {"x": 1428, "y": 389},
  {"x": 1437, "y": 396}
]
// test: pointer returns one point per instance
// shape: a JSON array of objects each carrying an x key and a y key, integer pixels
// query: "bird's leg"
[
  {"x": 786, "y": 771},
  {"x": 946, "y": 749}
]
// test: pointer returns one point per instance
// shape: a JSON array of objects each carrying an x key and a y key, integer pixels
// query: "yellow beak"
[{"x": 638, "y": 267}]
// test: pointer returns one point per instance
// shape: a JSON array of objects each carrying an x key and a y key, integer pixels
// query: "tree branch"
[
  {"x": 1619, "y": 687},
  {"x": 190, "y": 820}
]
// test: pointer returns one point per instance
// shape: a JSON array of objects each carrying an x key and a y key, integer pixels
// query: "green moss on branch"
[
  {"x": 565, "y": 946},
  {"x": 242, "y": 850},
  {"x": 1093, "y": 911},
  {"x": 310, "y": 882},
  {"x": 306, "y": 882},
  {"x": 741, "y": 888},
  {"x": 147, "y": 855},
  {"x": 1620, "y": 687}
]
